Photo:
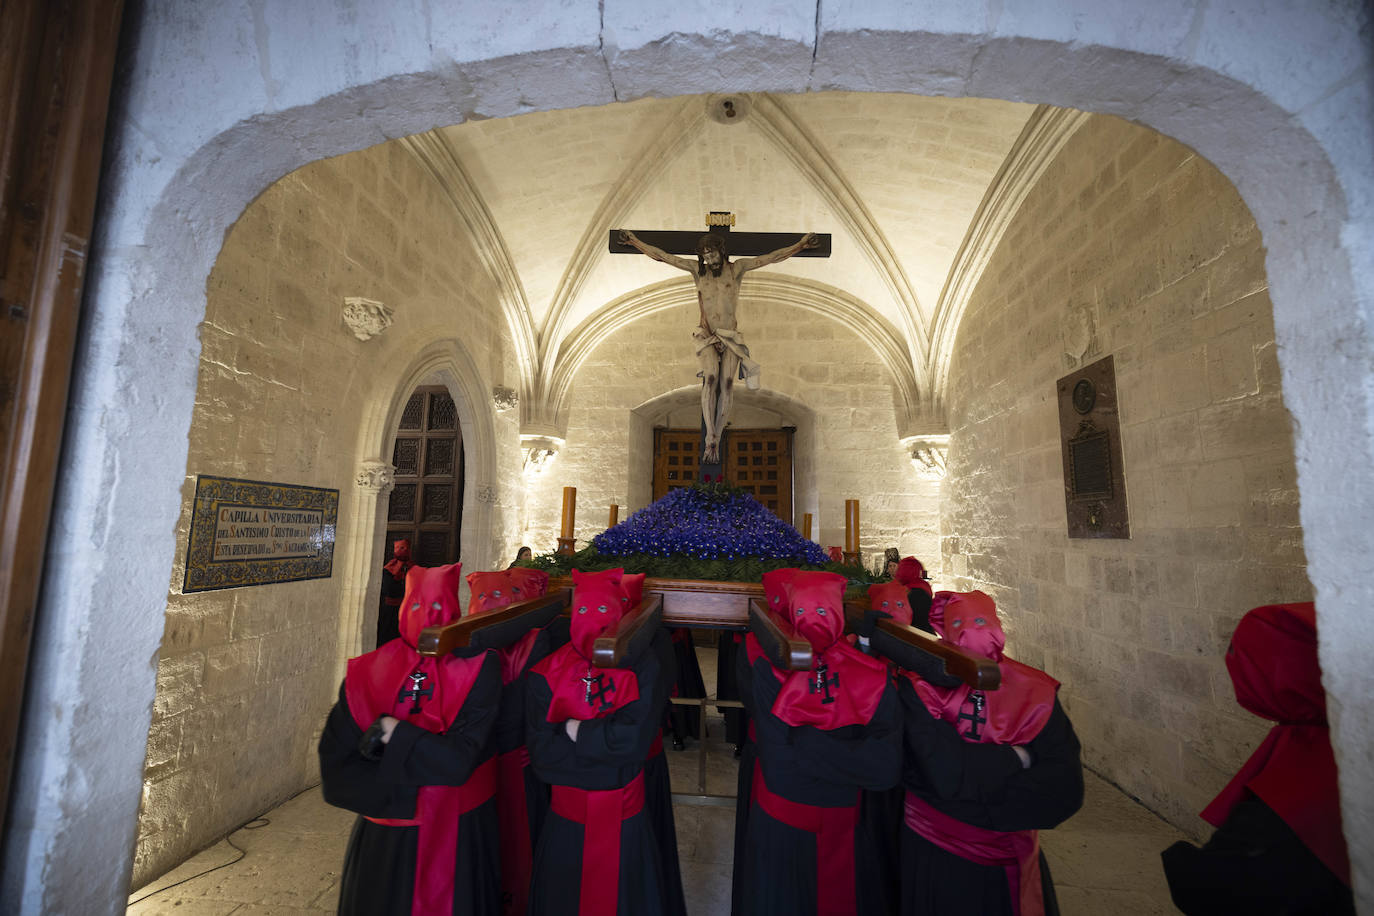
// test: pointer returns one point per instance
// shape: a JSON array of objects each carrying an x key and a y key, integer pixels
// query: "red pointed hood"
[
  {"x": 815, "y": 603},
  {"x": 970, "y": 622},
  {"x": 598, "y": 603},
  {"x": 890, "y": 598},
  {"x": 431, "y": 600},
  {"x": 911, "y": 573}
]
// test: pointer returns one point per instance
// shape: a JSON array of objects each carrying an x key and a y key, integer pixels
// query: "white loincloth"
[{"x": 732, "y": 341}]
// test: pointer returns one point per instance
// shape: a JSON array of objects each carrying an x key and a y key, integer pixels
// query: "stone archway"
[
  {"x": 205, "y": 133},
  {"x": 448, "y": 362}
]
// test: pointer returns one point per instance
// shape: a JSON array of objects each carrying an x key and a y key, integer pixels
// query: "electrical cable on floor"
[{"x": 256, "y": 823}]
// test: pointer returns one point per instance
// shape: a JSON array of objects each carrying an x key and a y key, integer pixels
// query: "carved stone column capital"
[
  {"x": 377, "y": 476},
  {"x": 366, "y": 318},
  {"x": 505, "y": 398},
  {"x": 928, "y": 454},
  {"x": 540, "y": 451}
]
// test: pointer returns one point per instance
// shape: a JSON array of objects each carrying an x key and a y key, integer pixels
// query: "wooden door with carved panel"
[
  {"x": 676, "y": 459},
  {"x": 426, "y": 505},
  {"x": 757, "y": 460},
  {"x": 760, "y": 461}
]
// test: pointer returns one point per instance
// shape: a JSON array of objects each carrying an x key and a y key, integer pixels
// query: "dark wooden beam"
[
  {"x": 786, "y": 652},
  {"x": 479, "y": 631},
  {"x": 737, "y": 244},
  {"x": 917, "y": 650},
  {"x": 632, "y": 635}
]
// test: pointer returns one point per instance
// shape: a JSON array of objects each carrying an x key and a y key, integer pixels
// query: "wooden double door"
[
  {"x": 426, "y": 505},
  {"x": 757, "y": 460}
]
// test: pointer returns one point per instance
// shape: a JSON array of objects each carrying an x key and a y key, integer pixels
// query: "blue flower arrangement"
[
  {"x": 709, "y": 522},
  {"x": 709, "y": 531}
]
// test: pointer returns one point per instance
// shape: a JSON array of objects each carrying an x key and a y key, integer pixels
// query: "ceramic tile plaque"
[{"x": 247, "y": 532}]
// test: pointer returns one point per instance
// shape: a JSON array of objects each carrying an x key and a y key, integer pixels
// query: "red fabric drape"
[
  {"x": 601, "y": 813},
  {"x": 836, "y": 892},
  {"x": 1018, "y": 852}
]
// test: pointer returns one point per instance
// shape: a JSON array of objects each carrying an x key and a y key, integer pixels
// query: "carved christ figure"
[{"x": 720, "y": 348}]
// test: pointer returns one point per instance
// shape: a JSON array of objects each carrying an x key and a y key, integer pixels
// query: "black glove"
[
  {"x": 870, "y": 623},
  {"x": 370, "y": 744}
]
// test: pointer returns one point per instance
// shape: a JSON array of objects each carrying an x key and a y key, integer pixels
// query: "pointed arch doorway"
[{"x": 426, "y": 504}]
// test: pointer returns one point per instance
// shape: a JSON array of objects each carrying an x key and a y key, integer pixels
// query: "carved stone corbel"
[
  {"x": 377, "y": 476},
  {"x": 539, "y": 451},
  {"x": 928, "y": 454},
  {"x": 505, "y": 398},
  {"x": 366, "y": 318}
]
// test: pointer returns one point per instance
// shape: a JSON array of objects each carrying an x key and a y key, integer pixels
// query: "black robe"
[
  {"x": 983, "y": 785},
  {"x": 380, "y": 864},
  {"x": 1253, "y": 864},
  {"x": 684, "y": 721},
  {"x": 730, "y": 645},
  {"x": 389, "y": 606},
  {"x": 741, "y": 678},
  {"x": 508, "y": 735},
  {"x": 658, "y": 788},
  {"x": 609, "y": 753},
  {"x": 825, "y": 769}
]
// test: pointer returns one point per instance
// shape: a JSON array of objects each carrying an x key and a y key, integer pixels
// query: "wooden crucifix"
[{"x": 721, "y": 352}]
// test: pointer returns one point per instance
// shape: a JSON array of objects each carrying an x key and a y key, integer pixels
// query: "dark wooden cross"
[
  {"x": 822, "y": 682},
  {"x": 414, "y": 693},
  {"x": 976, "y": 717},
  {"x": 737, "y": 245}
]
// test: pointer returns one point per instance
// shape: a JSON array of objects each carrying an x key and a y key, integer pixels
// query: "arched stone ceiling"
[{"x": 913, "y": 190}]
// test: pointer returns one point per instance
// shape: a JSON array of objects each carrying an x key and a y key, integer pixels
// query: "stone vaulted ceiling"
[{"x": 914, "y": 190}]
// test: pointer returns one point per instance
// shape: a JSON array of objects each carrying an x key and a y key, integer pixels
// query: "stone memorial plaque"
[
  {"x": 1090, "y": 430},
  {"x": 246, "y": 532}
]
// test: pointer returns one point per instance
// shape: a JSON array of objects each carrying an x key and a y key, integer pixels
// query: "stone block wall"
[
  {"x": 848, "y": 442},
  {"x": 247, "y": 675},
  {"x": 1130, "y": 245}
]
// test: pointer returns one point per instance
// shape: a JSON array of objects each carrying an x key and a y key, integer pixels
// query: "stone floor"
[{"x": 1105, "y": 859}]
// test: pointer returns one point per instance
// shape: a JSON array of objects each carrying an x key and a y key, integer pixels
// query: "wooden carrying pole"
[
  {"x": 566, "y": 540},
  {"x": 806, "y": 526},
  {"x": 633, "y": 634},
  {"x": 615, "y": 516},
  {"x": 514, "y": 621},
  {"x": 918, "y": 651},
  {"x": 783, "y": 650},
  {"x": 851, "y": 531}
]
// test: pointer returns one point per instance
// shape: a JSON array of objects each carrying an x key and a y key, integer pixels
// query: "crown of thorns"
[{"x": 710, "y": 240}]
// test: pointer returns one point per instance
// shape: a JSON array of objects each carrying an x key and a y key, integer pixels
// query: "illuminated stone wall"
[
  {"x": 1131, "y": 245},
  {"x": 246, "y": 675}
]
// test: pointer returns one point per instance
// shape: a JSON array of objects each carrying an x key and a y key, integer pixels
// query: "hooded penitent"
[
  {"x": 400, "y": 558},
  {"x": 396, "y": 680},
  {"x": 1273, "y": 665},
  {"x": 1014, "y": 713},
  {"x": 912, "y": 574},
  {"x": 890, "y": 599},
  {"x": 580, "y": 690},
  {"x": 428, "y": 692},
  {"x": 843, "y": 686},
  {"x": 490, "y": 591}
]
